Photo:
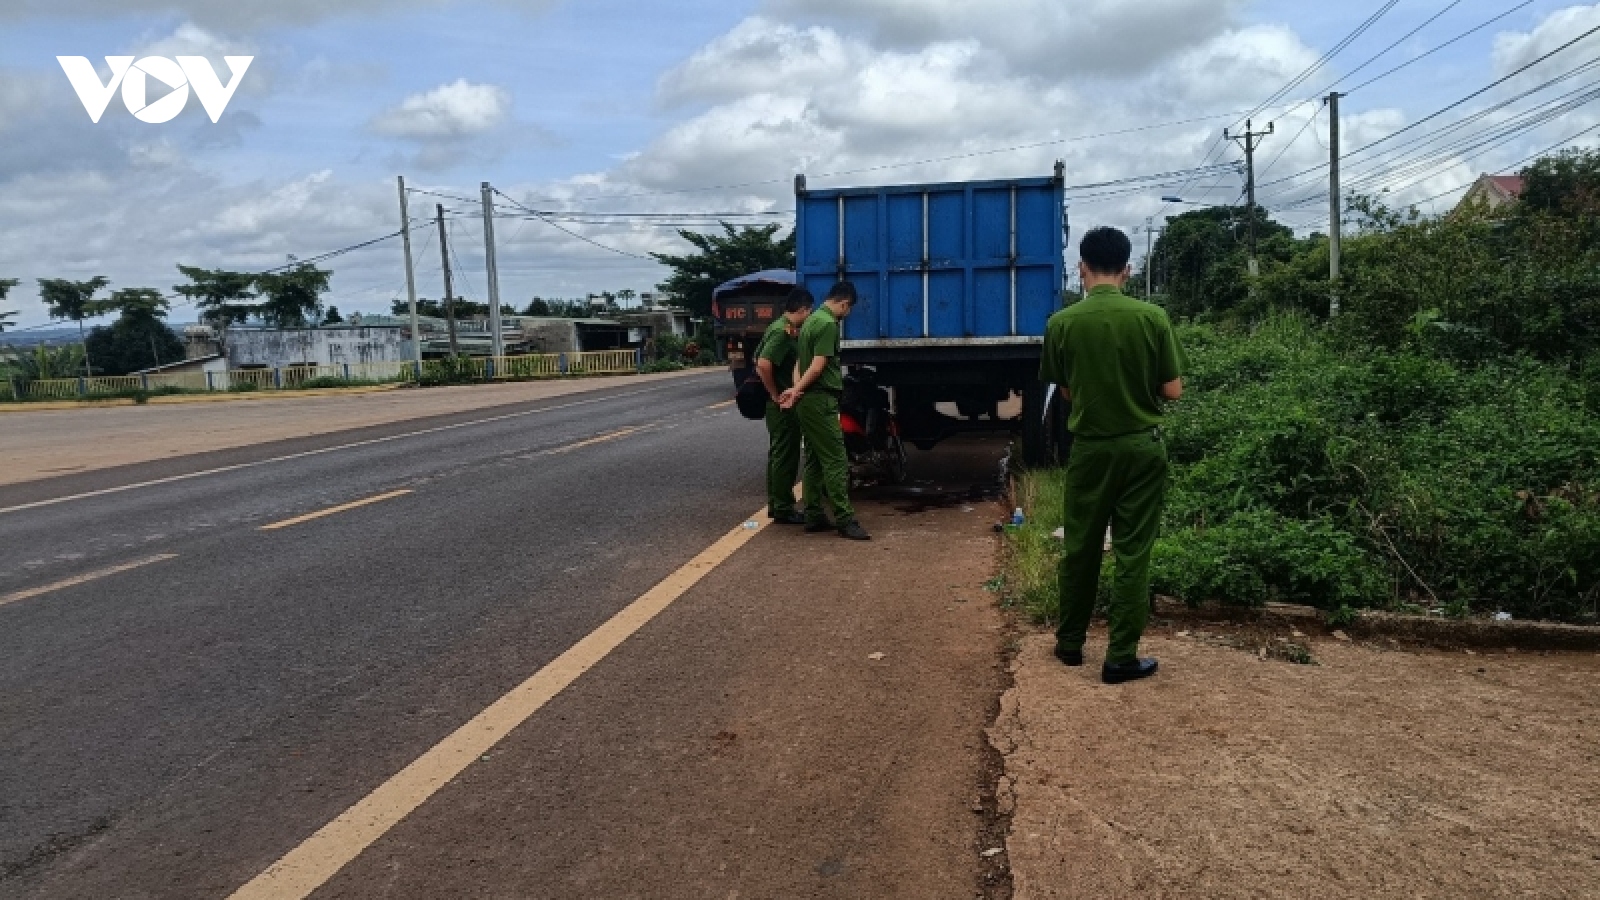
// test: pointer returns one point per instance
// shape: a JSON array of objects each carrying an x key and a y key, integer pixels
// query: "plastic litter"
[
  {"x": 751, "y": 525},
  {"x": 1502, "y": 617},
  {"x": 1016, "y": 516}
]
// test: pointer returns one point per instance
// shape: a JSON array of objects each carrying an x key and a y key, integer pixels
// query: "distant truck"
[{"x": 741, "y": 310}]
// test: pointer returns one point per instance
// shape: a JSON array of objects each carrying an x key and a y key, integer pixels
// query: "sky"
[{"x": 680, "y": 110}]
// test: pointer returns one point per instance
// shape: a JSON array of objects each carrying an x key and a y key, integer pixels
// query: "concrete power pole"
[
  {"x": 1149, "y": 226},
  {"x": 411, "y": 278},
  {"x": 493, "y": 272},
  {"x": 1335, "y": 207},
  {"x": 1249, "y": 143},
  {"x": 449, "y": 296}
]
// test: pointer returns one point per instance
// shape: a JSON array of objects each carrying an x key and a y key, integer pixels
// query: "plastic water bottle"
[{"x": 1016, "y": 517}]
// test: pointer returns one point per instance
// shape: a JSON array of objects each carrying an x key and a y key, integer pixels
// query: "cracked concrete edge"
[
  {"x": 1429, "y": 631},
  {"x": 1006, "y": 735}
]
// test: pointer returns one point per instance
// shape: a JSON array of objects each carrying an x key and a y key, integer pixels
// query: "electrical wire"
[
  {"x": 1437, "y": 113},
  {"x": 1416, "y": 59}
]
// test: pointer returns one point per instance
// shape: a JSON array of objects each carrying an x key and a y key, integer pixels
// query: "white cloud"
[
  {"x": 451, "y": 111},
  {"x": 1042, "y": 36},
  {"x": 1515, "y": 49},
  {"x": 761, "y": 55}
]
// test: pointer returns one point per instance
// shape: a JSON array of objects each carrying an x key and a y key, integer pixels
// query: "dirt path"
[
  {"x": 1375, "y": 773},
  {"x": 46, "y": 443}
]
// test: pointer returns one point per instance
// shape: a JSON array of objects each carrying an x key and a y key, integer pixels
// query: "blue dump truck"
[{"x": 956, "y": 282}]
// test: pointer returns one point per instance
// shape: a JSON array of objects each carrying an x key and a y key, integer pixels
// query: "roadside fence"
[{"x": 538, "y": 365}]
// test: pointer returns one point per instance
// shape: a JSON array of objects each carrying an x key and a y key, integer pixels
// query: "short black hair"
[
  {"x": 799, "y": 298},
  {"x": 843, "y": 290},
  {"x": 1105, "y": 250}
]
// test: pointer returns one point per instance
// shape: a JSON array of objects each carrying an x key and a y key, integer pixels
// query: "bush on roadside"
[{"x": 1310, "y": 470}]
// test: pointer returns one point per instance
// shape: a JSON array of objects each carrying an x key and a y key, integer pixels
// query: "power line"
[
  {"x": 1518, "y": 124},
  {"x": 1436, "y": 114},
  {"x": 1415, "y": 59}
]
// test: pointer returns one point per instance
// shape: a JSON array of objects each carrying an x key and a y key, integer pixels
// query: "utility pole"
[
  {"x": 1149, "y": 226},
  {"x": 449, "y": 297},
  {"x": 493, "y": 272},
  {"x": 1249, "y": 142},
  {"x": 411, "y": 279},
  {"x": 1335, "y": 223}
]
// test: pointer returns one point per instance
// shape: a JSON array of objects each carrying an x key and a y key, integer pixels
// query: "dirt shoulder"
[
  {"x": 46, "y": 443},
  {"x": 1374, "y": 772},
  {"x": 807, "y": 721}
]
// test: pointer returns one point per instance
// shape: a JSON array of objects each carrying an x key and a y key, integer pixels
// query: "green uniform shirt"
[
  {"x": 820, "y": 337},
  {"x": 778, "y": 348},
  {"x": 1113, "y": 353}
]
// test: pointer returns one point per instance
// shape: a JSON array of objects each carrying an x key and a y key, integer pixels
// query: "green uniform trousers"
[
  {"x": 827, "y": 470},
  {"x": 1123, "y": 481},
  {"x": 783, "y": 459}
]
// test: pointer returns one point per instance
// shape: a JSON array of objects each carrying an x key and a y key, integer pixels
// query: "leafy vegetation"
[
  {"x": 723, "y": 257},
  {"x": 1434, "y": 448}
]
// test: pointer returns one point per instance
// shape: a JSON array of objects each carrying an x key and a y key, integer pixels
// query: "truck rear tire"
[
  {"x": 1035, "y": 436},
  {"x": 1044, "y": 438}
]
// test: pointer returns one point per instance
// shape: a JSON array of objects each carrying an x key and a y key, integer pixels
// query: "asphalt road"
[{"x": 169, "y": 729}]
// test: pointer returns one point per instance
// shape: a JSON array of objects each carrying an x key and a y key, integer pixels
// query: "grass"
[{"x": 1033, "y": 554}]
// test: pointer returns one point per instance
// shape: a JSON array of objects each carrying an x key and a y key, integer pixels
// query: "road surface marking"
[
  {"x": 720, "y": 405},
  {"x": 598, "y": 439},
  {"x": 310, "y": 865},
  {"x": 334, "y": 509},
  {"x": 304, "y": 453},
  {"x": 85, "y": 577}
]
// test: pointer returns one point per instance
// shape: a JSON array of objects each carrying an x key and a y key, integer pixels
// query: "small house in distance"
[{"x": 1493, "y": 191}]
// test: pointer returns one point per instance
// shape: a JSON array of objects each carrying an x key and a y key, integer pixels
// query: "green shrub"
[{"x": 1310, "y": 469}]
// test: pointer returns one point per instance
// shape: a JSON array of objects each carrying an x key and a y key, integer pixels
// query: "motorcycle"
[{"x": 871, "y": 433}]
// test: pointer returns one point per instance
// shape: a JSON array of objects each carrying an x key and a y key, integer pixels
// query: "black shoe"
[
  {"x": 819, "y": 526},
  {"x": 1117, "y": 673},
  {"x": 1070, "y": 657},
  {"x": 789, "y": 518},
  {"x": 853, "y": 530}
]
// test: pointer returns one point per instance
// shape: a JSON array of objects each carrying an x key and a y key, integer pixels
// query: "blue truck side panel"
[{"x": 977, "y": 259}]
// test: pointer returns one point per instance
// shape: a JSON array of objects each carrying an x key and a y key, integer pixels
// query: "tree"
[
  {"x": 722, "y": 257},
  {"x": 224, "y": 298},
  {"x": 294, "y": 298},
  {"x": 138, "y": 339},
  {"x": 1204, "y": 254},
  {"x": 49, "y": 362},
  {"x": 332, "y": 317},
  {"x": 626, "y": 295},
  {"x": 537, "y": 308},
  {"x": 6, "y": 284},
  {"x": 74, "y": 300},
  {"x": 1568, "y": 182}
]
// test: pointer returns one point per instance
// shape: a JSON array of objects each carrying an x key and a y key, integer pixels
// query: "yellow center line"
[
  {"x": 599, "y": 439},
  {"x": 720, "y": 405},
  {"x": 334, "y": 509},
  {"x": 85, "y": 577},
  {"x": 311, "y": 864}
]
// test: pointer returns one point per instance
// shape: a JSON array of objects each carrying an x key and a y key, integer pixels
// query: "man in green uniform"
[
  {"x": 775, "y": 358},
  {"x": 815, "y": 400},
  {"x": 1116, "y": 359}
]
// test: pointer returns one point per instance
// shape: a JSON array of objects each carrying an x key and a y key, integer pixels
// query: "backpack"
[{"x": 751, "y": 398}]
